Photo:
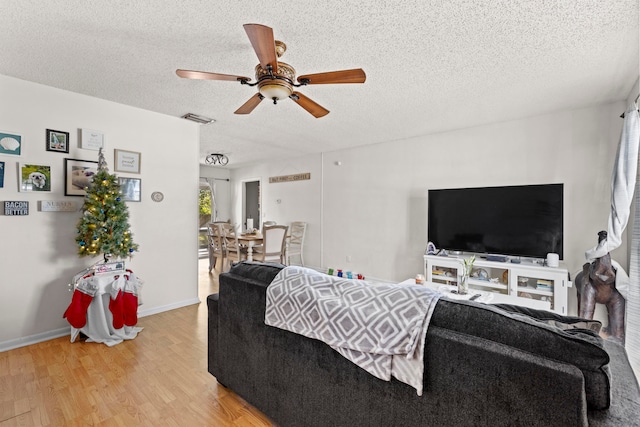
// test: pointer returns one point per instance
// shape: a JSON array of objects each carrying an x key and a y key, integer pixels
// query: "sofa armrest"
[
  {"x": 625, "y": 392},
  {"x": 494, "y": 384},
  {"x": 213, "y": 365}
]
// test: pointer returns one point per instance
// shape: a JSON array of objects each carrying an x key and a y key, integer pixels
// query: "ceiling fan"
[{"x": 275, "y": 79}]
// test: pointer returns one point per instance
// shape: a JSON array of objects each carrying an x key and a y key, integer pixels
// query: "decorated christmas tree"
[{"x": 103, "y": 229}]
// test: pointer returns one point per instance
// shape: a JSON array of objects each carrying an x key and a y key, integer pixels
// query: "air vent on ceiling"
[{"x": 198, "y": 119}]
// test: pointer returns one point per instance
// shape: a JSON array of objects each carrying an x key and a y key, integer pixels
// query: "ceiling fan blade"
[
  {"x": 356, "y": 75},
  {"x": 203, "y": 75},
  {"x": 248, "y": 106},
  {"x": 312, "y": 107},
  {"x": 261, "y": 38}
]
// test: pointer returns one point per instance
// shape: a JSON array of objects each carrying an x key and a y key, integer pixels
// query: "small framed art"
[
  {"x": 35, "y": 177},
  {"x": 127, "y": 161},
  {"x": 130, "y": 187},
  {"x": 78, "y": 175},
  {"x": 1, "y": 174},
  {"x": 10, "y": 143},
  {"x": 91, "y": 139},
  {"x": 57, "y": 140}
]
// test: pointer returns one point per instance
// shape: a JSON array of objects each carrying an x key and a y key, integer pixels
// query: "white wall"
[
  {"x": 285, "y": 202},
  {"x": 38, "y": 252},
  {"x": 373, "y": 208}
]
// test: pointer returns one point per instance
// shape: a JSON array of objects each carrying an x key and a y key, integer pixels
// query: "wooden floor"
[{"x": 158, "y": 379}]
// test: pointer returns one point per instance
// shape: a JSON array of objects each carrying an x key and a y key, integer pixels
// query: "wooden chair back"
[
  {"x": 215, "y": 242},
  {"x": 274, "y": 243},
  {"x": 295, "y": 241},
  {"x": 233, "y": 250}
]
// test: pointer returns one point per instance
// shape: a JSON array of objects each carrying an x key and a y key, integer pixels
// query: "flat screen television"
[{"x": 520, "y": 220}]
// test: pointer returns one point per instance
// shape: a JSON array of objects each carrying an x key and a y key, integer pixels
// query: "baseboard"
[
  {"x": 57, "y": 333},
  {"x": 33, "y": 339},
  {"x": 163, "y": 308}
]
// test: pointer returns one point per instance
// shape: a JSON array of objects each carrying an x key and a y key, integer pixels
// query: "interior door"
[{"x": 251, "y": 204}]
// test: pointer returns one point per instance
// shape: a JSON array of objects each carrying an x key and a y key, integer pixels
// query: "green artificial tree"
[{"x": 103, "y": 228}]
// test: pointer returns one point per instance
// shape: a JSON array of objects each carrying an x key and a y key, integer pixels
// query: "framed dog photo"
[
  {"x": 130, "y": 189},
  {"x": 57, "y": 140},
  {"x": 78, "y": 175},
  {"x": 34, "y": 177}
]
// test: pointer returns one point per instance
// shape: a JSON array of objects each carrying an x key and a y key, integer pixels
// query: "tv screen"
[{"x": 522, "y": 220}]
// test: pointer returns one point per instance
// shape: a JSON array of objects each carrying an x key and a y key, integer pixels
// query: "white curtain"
[
  {"x": 631, "y": 138},
  {"x": 623, "y": 184}
]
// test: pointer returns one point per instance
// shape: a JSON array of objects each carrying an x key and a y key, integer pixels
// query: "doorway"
[
  {"x": 214, "y": 204},
  {"x": 205, "y": 197},
  {"x": 251, "y": 204}
]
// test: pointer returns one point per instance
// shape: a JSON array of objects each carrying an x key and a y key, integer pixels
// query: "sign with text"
[
  {"x": 91, "y": 139},
  {"x": 109, "y": 267},
  {"x": 57, "y": 206},
  {"x": 16, "y": 208},
  {"x": 290, "y": 178}
]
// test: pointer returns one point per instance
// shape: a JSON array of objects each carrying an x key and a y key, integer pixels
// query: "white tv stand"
[{"x": 526, "y": 283}]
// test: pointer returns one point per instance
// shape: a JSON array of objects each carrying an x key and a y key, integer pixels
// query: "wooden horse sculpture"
[{"x": 597, "y": 284}]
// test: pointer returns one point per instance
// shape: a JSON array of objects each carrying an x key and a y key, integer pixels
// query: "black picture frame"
[
  {"x": 78, "y": 175},
  {"x": 57, "y": 141}
]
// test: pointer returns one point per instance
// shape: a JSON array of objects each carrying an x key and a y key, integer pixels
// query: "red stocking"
[
  {"x": 130, "y": 300},
  {"x": 130, "y": 308},
  {"x": 116, "y": 305},
  {"x": 117, "y": 310},
  {"x": 76, "y": 313}
]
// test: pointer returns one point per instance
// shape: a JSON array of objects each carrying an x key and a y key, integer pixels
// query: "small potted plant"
[{"x": 463, "y": 279}]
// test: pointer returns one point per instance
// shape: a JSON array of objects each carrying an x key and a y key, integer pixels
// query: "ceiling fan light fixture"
[
  {"x": 275, "y": 90},
  {"x": 275, "y": 84}
]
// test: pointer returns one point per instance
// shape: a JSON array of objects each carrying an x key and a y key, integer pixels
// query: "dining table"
[{"x": 250, "y": 240}]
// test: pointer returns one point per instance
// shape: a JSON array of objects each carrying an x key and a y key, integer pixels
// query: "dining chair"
[
  {"x": 295, "y": 241},
  {"x": 233, "y": 250},
  {"x": 215, "y": 244},
  {"x": 267, "y": 223},
  {"x": 273, "y": 244}
]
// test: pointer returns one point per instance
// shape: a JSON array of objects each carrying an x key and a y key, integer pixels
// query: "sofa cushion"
[
  {"x": 263, "y": 272},
  {"x": 562, "y": 322},
  {"x": 579, "y": 347}
]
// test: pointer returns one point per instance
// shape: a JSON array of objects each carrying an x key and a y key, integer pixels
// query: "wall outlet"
[{"x": 348, "y": 258}]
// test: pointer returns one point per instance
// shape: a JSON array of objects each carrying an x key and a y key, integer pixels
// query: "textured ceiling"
[{"x": 431, "y": 65}]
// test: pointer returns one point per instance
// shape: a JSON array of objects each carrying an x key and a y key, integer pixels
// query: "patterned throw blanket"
[{"x": 381, "y": 328}]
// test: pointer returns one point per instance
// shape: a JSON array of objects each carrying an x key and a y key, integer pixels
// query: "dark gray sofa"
[{"x": 484, "y": 366}]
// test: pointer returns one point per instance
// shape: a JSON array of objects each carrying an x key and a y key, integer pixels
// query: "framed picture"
[
  {"x": 34, "y": 177},
  {"x": 91, "y": 139},
  {"x": 78, "y": 175},
  {"x": 57, "y": 140},
  {"x": 10, "y": 143},
  {"x": 130, "y": 189},
  {"x": 1, "y": 174},
  {"x": 127, "y": 161}
]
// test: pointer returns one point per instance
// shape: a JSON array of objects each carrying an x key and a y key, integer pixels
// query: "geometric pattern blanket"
[{"x": 381, "y": 328}]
